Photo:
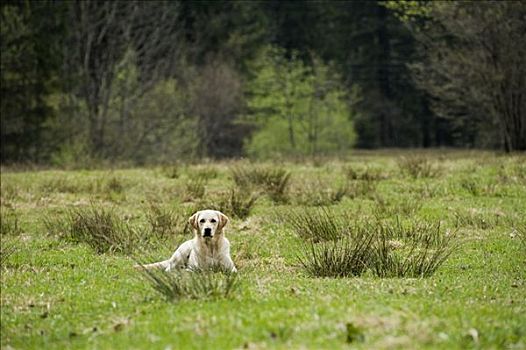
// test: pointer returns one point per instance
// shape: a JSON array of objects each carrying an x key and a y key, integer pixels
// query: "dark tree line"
[{"x": 160, "y": 81}]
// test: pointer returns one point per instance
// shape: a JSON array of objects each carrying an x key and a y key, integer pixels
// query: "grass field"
[{"x": 64, "y": 286}]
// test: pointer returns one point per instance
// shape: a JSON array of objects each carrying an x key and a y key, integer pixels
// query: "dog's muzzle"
[{"x": 207, "y": 232}]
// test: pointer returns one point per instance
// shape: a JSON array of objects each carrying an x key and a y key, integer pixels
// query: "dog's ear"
[
  {"x": 223, "y": 220},
  {"x": 193, "y": 220}
]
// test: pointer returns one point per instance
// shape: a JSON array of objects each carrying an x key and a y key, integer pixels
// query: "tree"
[
  {"x": 102, "y": 34},
  {"x": 296, "y": 109},
  {"x": 474, "y": 65},
  {"x": 30, "y": 63}
]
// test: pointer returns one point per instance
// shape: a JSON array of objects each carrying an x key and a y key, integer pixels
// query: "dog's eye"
[
  {"x": 213, "y": 221},
  {"x": 202, "y": 221}
]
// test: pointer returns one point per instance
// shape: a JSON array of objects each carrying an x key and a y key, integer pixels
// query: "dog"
[{"x": 209, "y": 248}]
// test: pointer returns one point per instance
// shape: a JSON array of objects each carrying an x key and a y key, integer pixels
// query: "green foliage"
[{"x": 297, "y": 109}]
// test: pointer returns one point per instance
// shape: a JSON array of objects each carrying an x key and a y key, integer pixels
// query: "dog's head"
[{"x": 208, "y": 223}]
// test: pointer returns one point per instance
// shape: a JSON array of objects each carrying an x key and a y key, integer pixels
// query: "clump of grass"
[
  {"x": 166, "y": 222},
  {"x": 171, "y": 171},
  {"x": 477, "y": 187},
  {"x": 367, "y": 174},
  {"x": 422, "y": 251},
  {"x": 321, "y": 194},
  {"x": 195, "y": 188},
  {"x": 234, "y": 203},
  {"x": 272, "y": 180},
  {"x": 401, "y": 206},
  {"x": 61, "y": 185},
  {"x": 344, "y": 257},
  {"x": 8, "y": 193},
  {"x": 183, "y": 284},
  {"x": 99, "y": 228},
  {"x": 114, "y": 185},
  {"x": 475, "y": 218},
  {"x": 207, "y": 173},
  {"x": 418, "y": 167},
  {"x": 317, "y": 225},
  {"x": 9, "y": 222},
  {"x": 7, "y": 248},
  {"x": 357, "y": 189},
  {"x": 239, "y": 203},
  {"x": 334, "y": 247},
  {"x": 520, "y": 230}
]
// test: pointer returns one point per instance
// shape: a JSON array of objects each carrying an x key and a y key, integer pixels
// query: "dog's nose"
[{"x": 208, "y": 232}]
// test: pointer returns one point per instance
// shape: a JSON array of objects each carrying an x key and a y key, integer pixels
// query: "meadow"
[{"x": 386, "y": 249}]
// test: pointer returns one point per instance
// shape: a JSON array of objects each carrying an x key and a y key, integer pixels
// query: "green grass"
[{"x": 58, "y": 292}]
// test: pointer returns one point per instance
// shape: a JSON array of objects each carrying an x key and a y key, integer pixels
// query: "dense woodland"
[{"x": 149, "y": 82}]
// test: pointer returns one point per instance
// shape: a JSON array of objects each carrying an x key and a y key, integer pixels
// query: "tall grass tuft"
[
  {"x": 403, "y": 205},
  {"x": 183, "y": 284},
  {"x": 239, "y": 203},
  {"x": 335, "y": 247},
  {"x": 165, "y": 222},
  {"x": 195, "y": 188},
  {"x": 99, "y": 228},
  {"x": 321, "y": 194},
  {"x": 9, "y": 222},
  {"x": 415, "y": 250},
  {"x": 345, "y": 257},
  {"x": 273, "y": 181},
  {"x": 317, "y": 224},
  {"x": 418, "y": 167},
  {"x": 7, "y": 248}
]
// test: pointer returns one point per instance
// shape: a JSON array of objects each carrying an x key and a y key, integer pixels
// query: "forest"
[{"x": 161, "y": 82}]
